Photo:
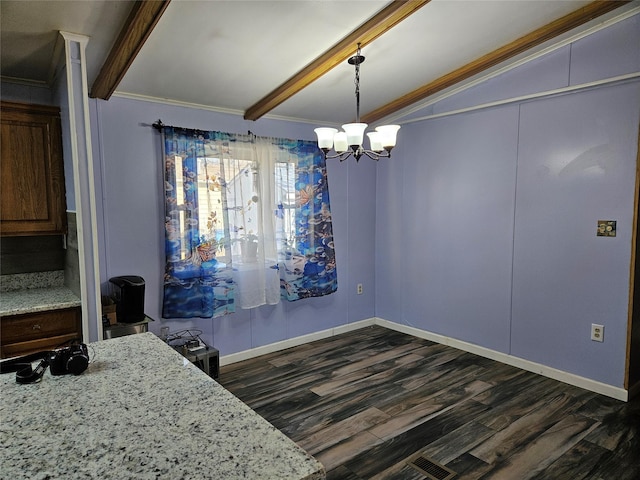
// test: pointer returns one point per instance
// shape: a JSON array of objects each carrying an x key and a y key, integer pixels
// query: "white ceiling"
[
  {"x": 29, "y": 32},
  {"x": 230, "y": 54}
]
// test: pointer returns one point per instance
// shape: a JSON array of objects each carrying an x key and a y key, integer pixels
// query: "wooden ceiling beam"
[
  {"x": 532, "y": 39},
  {"x": 141, "y": 21},
  {"x": 384, "y": 20}
]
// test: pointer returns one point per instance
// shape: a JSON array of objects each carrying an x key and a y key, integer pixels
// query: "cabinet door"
[{"x": 31, "y": 171}]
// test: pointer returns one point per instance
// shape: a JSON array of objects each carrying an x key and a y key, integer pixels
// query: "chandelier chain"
[{"x": 357, "y": 82}]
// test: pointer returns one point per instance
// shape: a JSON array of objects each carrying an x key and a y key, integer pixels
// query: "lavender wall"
[
  {"x": 576, "y": 165},
  {"x": 486, "y": 221},
  {"x": 128, "y": 157},
  {"x": 450, "y": 266}
]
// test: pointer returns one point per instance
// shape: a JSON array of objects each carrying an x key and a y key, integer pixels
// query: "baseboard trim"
[
  {"x": 294, "y": 342},
  {"x": 560, "y": 375}
]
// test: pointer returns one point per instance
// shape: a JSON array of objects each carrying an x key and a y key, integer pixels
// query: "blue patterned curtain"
[
  {"x": 307, "y": 261},
  {"x": 247, "y": 222}
]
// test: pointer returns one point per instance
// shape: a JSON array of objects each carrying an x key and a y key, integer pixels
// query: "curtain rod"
[{"x": 158, "y": 125}]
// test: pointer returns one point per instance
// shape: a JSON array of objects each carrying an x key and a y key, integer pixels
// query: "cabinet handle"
[{"x": 36, "y": 326}]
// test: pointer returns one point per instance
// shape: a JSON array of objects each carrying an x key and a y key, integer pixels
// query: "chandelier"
[{"x": 349, "y": 142}]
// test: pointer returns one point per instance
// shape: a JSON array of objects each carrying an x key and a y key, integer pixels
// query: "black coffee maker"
[{"x": 129, "y": 298}]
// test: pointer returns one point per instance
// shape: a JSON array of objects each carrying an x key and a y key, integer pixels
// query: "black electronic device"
[
  {"x": 73, "y": 359},
  {"x": 129, "y": 298}
]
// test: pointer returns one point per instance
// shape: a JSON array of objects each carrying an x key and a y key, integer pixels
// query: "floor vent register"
[{"x": 429, "y": 468}]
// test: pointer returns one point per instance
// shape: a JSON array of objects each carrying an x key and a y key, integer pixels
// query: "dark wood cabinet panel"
[
  {"x": 31, "y": 170},
  {"x": 34, "y": 332}
]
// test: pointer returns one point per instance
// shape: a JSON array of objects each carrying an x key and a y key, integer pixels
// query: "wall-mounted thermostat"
[{"x": 606, "y": 228}]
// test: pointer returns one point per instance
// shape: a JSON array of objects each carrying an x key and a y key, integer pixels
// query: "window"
[{"x": 247, "y": 221}]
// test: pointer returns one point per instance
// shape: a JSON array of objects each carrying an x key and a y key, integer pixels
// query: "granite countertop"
[
  {"x": 140, "y": 411},
  {"x": 33, "y": 300}
]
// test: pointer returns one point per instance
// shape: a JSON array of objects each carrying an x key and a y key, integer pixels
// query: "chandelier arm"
[
  {"x": 342, "y": 156},
  {"x": 371, "y": 155},
  {"x": 376, "y": 155},
  {"x": 357, "y": 154}
]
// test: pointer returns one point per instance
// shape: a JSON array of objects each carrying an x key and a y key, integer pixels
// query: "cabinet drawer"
[
  {"x": 25, "y": 348},
  {"x": 41, "y": 325}
]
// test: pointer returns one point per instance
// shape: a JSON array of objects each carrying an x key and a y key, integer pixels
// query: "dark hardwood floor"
[{"x": 363, "y": 402}]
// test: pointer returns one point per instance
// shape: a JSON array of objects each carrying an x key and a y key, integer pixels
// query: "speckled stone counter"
[
  {"x": 23, "y": 281},
  {"x": 139, "y": 411},
  {"x": 37, "y": 300}
]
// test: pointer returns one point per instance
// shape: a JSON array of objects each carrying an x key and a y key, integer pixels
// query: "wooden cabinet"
[
  {"x": 31, "y": 170},
  {"x": 35, "y": 332}
]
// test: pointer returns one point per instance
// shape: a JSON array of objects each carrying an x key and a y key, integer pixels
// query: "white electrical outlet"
[
  {"x": 359, "y": 289},
  {"x": 597, "y": 332}
]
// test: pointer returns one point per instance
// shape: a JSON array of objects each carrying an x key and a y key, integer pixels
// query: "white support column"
[{"x": 84, "y": 182}]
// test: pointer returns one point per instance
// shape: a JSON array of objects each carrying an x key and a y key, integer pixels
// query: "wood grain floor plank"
[
  {"x": 424, "y": 411},
  {"x": 380, "y": 351},
  {"x": 344, "y": 377},
  {"x": 510, "y": 409},
  {"x": 599, "y": 407},
  {"x": 577, "y": 463},
  {"x": 618, "y": 467},
  {"x": 442, "y": 384},
  {"x": 469, "y": 467},
  {"x": 340, "y": 345},
  {"x": 346, "y": 450},
  {"x": 621, "y": 425},
  {"x": 452, "y": 445},
  {"x": 402, "y": 446},
  {"x": 291, "y": 402},
  {"x": 544, "y": 450},
  {"x": 380, "y": 381},
  {"x": 418, "y": 395},
  {"x": 335, "y": 433},
  {"x": 437, "y": 365},
  {"x": 507, "y": 388},
  {"x": 522, "y": 431},
  {"x": 342, "y": 473},
  {"x": 334, "y": 408},
  {"x": 263, "y": 396},
  {"x": 311, "y": 420}
]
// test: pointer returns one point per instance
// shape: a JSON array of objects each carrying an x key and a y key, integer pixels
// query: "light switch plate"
[{"x": 606, "y": 228}]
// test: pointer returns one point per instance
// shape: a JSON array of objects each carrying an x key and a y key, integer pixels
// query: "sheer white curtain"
[{"x": 248, "y": 203}]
